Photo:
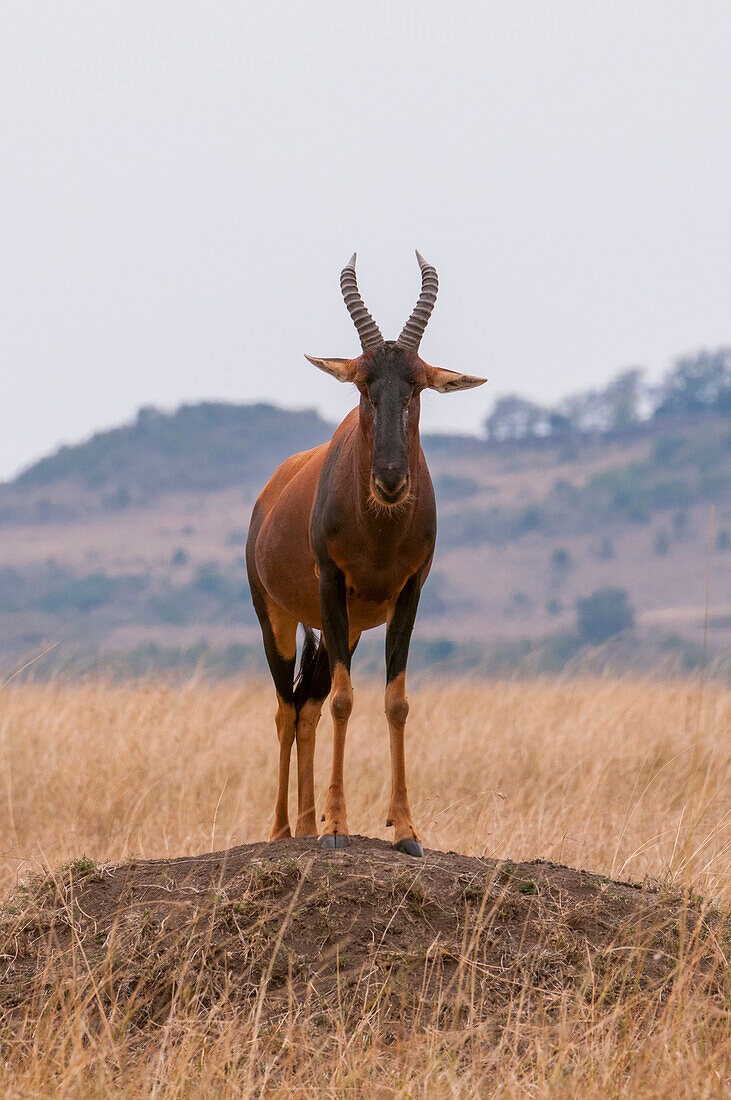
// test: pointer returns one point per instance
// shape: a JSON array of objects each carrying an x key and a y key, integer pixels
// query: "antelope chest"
[
  {"x": 376, "y": 570},
  {"x": 374, "y": 587},
  {"x": 368, "y": 606}
]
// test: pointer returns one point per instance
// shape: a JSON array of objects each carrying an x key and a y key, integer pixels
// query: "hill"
[
  {"x": 197, "y": 448},
  {"x": 267, "y": 928},
  {"x": 131, "y": 543}
]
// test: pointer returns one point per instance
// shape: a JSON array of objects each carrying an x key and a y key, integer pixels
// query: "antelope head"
[{"x": 390, "y": 375}]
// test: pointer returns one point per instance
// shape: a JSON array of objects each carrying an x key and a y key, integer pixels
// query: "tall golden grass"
[{"x": 630, "y": 779}]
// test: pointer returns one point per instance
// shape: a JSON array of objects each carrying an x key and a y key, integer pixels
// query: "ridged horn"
[
  {"x": 368, "y": 330},
  {"x": 413, "y": 330}
]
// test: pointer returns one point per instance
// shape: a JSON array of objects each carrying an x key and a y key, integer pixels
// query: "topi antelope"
[{"x": 341, "y": 540}]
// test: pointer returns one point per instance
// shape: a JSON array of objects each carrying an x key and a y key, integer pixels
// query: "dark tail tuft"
[{"x": 308, "y": 663}]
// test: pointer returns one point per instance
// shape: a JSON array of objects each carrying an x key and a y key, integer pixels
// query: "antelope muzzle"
[{"x": 390, "y": 484}]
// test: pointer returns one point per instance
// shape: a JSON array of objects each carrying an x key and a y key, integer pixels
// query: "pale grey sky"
[{"x": 180, "y": 184}]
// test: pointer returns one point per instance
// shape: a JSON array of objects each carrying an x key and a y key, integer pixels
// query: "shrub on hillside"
[
  {"x": 666, "y": 449},
  {"x": 60, "y": 590},
  {"x": 679, "y": 521},
  {"x": 433, "y": 599},
  {"x": 519, "y": 605},
  {"x": 603, "y": 614},
  {"x": 661, "y": 544},
  {"x": 214, "y": 594},
  {"x": 561, "y": 561},
  {"x": 236, "y": 536},
  {"x": 11, "y": 589},
  {"x": 454, "y": 487}
]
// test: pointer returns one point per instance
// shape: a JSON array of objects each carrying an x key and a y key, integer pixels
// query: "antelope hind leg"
[{"x": 279, "y": 632}]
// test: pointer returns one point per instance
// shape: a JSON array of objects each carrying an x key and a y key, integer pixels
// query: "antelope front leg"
[
  {"x": 335, "y": 830},
  {"x": 406, "y": 838},
  {"x": 398, "y": 636},
  {"x": 334, "y": 613}
]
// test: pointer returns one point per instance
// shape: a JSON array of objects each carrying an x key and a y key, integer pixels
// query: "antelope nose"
[{"x": 390, "y": 482}]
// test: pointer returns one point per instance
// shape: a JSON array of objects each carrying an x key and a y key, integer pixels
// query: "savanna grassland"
[{"x": 491, "y": 973}]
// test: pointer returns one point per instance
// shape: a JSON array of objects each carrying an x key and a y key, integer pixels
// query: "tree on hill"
[
  {"x": 697, "y": 383},
  {"x": 623, "y": 398},
  {"x": 615, "y": 408},
  {"x": 603, "y": 614},
  {"x": 514, "y": 418}
]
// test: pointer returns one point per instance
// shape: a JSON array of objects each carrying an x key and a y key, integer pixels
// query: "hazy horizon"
[
  {"x": 182, "y": 184},
  {"x": 477, "y": 430}
]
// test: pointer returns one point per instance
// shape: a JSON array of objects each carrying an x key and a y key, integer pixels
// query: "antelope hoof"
[
  {"x": 410, "y": 846},
  {"x": 334, "y": 840}
]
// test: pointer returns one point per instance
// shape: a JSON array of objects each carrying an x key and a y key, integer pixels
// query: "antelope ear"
[
  {"x": 342, "y": 369},
  {"x": 447, "y": 381}
]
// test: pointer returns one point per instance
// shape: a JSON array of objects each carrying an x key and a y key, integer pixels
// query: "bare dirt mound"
[{"x": 271, "y": 925}]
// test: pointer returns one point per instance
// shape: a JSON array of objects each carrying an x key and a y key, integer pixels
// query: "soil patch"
[{"x": 365, "y": 929}]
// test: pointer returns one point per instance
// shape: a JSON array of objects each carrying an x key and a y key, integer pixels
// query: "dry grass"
[{"x": 627, "y": 779}]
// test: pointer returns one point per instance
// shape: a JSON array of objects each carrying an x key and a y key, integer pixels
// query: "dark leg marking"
[
  {"x": 398, "y": 637},
  {"x": 281, "y": 666}
]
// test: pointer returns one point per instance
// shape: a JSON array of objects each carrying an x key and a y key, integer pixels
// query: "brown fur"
[
  {"x": 376, "y": 551},
  {"x": 377, "y": 548},
  {"x": 341, "y": 540}
]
